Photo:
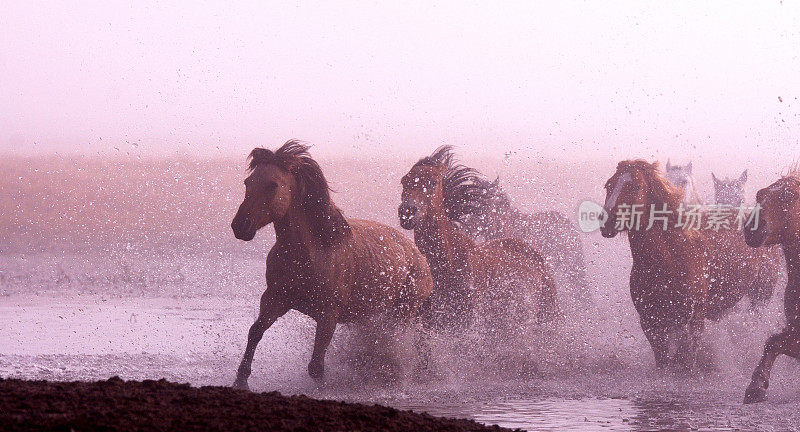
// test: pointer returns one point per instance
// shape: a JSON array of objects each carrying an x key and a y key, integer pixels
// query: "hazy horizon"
[{"x": 627, "y": 79}]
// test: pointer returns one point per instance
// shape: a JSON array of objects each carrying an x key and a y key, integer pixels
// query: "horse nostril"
[{"x": 239, "y": 225}]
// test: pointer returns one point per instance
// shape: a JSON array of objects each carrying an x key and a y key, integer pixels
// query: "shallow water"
[{"x": 199, "y": 340}]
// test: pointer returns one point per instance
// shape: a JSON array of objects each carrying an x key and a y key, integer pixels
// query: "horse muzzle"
[
  {"x": 755, "y": 236},
  {"x": 241, "y": 230},
  {"x": 406, "y": 214},
  {"x": 609, "y": 227}
]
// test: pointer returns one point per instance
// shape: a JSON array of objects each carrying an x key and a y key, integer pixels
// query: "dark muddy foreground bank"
[{"x": 161, "y": 405}]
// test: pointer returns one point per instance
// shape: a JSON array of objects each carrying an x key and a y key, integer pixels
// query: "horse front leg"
[
  {"x": 659, "y": 342},
  {"x": 688, "y": 349},
  {"x": 326, "y": 325},
  {"x": 269, "y": 312},
  {"x": 786, "y": 342}
]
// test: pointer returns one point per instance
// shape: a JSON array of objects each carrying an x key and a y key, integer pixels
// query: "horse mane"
[
  {"x": 660, "y": 188},
  {"x": 325, "y": 220},
  {"x": 496, "y": 195},
  {"x": 465, "y": 189},
  {"x": 793, "y": 171}
]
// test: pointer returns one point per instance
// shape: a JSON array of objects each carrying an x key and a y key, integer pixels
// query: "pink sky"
[{"x": 654, "y": 79}]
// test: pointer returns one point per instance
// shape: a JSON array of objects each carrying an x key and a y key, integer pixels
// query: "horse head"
[
  {"x": 681, "y": 176},
  {"x": 635, "y": 185},
  {"x": 437, "y": 185},
  {"x": 285, "y": 179},
  {"x": 778, "y": 208},
  {"x": 729, "y": 191}
]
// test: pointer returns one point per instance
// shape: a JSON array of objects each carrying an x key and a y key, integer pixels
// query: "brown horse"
[
  {"x": 492, "y": 277},
  {"x": 754, "y": 271},
  {"x": 330, "y": 268},
  {"x": 668, "y": 279},
  {"x": 778, "y": 224},
  {"x": 550, "y": 233}
]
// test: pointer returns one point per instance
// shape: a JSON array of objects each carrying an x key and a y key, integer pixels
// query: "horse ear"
[
  {"x": 669, "y": 165},
  {"x": 689, "y": 167},
  {"x": 743, "y": 177},
  {"x": 713, "y": 177}
]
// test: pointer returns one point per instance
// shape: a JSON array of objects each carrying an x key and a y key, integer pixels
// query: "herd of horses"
[{"x": 474, "y": 256}]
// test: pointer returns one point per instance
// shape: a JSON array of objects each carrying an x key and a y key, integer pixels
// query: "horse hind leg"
[{"x": 786, "y": 342}]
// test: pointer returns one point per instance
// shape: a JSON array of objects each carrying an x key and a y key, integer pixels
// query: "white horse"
[{"x": 681, "y": 176}]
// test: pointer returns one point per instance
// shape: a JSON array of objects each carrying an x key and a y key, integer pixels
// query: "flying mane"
[
  {"x": 660, "y": 188},
  {"x": 325, "y": 220},
  {"x": 794, "y": 170},
  {"x": 465, "y": 189},
  {"x": 496, "y": 195}
]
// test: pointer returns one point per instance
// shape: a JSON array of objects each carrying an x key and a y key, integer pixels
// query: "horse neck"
[
  {"x": 791, "y": 251},
  {"x": 292, "y": 231},
  {"x": 442, "y": 241},
  {"x": 655, "y": 243}
]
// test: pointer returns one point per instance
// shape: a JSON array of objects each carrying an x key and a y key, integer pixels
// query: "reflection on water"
[
  {"x": 616, "y": 414},
  {"x": 589, "y": 414}
]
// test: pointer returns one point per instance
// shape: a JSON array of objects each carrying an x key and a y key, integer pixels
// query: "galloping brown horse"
[
  {"x": 550, "y": 233},
  {"x": 668, "y": 278},
  {"x": 330, "y": 268},
  {"x": 778, "y": 224},
  {"x": 492, "y": 277},
  {"x": 755, "y": 271}
]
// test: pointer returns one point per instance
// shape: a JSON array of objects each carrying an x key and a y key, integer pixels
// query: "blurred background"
[{"x": 700, "y": 80}]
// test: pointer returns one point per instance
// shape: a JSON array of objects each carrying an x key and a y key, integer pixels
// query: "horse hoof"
[
  {"x": 755, "y": 394},
  {"x": 316, "y": 371},
  {"x": 241, "y": 385}
]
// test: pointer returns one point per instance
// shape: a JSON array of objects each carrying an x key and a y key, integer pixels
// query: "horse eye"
[{"x": 272, "y": 185}]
